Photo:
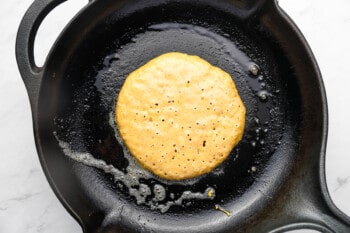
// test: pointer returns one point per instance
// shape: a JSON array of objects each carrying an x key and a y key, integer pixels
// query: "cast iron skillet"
[{"x": 274, "y": 179}]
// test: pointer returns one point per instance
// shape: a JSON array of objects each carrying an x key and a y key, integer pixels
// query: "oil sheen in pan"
[
  {"x": 134, "y": 173},
  {"x": 155, "y": 195}
]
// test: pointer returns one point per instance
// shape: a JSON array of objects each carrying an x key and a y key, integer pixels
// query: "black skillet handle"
[
  {"x": 30, "y": 72},
  {"x": 310, "y": 207},
  {"x": 305, "y": 202}
]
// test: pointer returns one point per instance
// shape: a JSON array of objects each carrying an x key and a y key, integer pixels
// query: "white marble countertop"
[{"x": 27, "y": 203}]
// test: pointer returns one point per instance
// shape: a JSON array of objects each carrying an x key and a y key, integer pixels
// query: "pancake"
[{"x": 179, "y": 116}]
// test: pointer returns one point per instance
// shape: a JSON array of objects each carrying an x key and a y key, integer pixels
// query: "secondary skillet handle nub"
[{"x": 30, "y": 72}]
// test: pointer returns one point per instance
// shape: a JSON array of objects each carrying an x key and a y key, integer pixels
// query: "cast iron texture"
[{"x": 78, "y": 85}]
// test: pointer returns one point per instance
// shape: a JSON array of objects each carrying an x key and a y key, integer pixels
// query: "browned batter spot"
[{"x": 179, "y": 116}]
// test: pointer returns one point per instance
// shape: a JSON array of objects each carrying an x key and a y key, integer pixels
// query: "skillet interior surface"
[{"x": 77, "y": 103}]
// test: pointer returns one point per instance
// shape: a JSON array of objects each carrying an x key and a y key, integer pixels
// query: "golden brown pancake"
[{"x": 179, "y": 116}]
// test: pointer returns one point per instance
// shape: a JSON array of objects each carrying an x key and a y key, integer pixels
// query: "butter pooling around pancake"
[{"x": 179, "y": 116}]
